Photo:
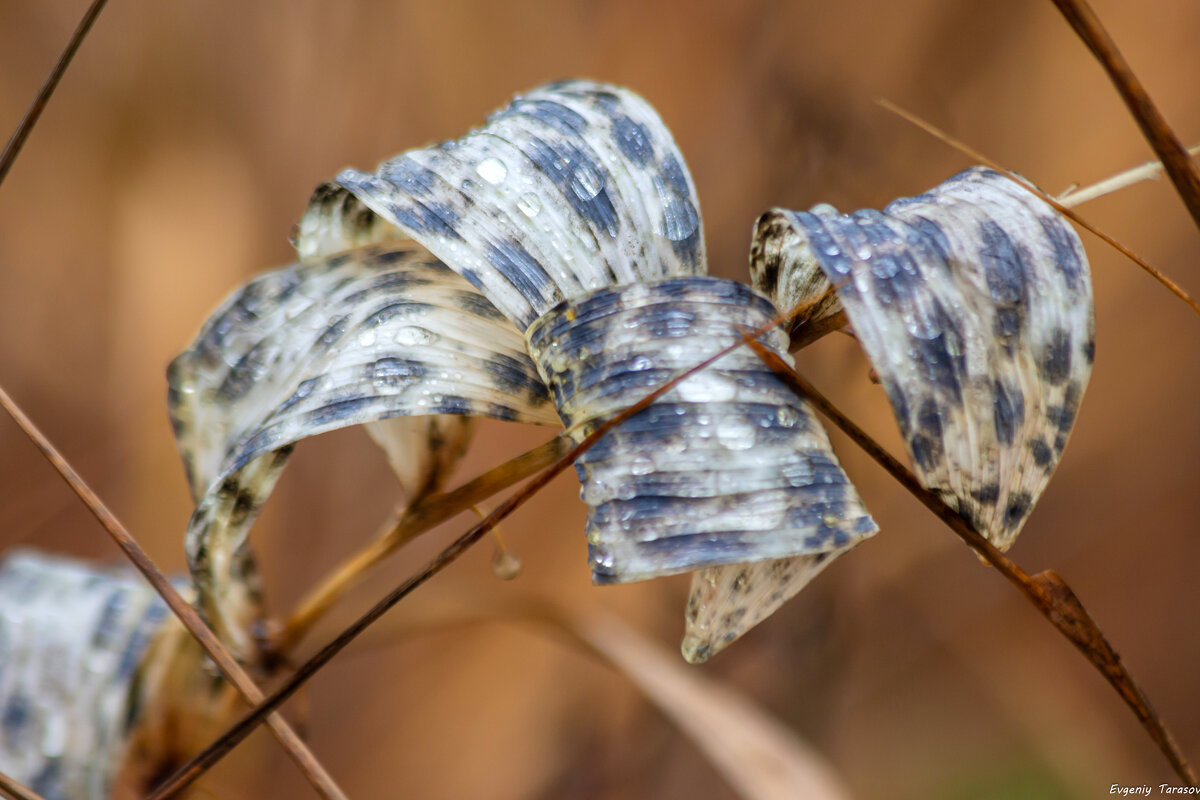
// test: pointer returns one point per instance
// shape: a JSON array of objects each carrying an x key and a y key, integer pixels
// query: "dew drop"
[
  {"x": 596, "y": 492},
  {"x": 586, "y": 182},
  {"x": 505, "y": 565},
  {"x": 787, "y": 416},
  {"x": 707, "y": 387},
  {"x": 922, "y": 326},
  {"x": 641, "y": 465},
  {"x": 492, "y": 170},
  {"x": 798, "y": 474},
  {"x": 529, "y": 204},
  {"x": 366, "y": 339},
  {"x": 413, "y": 336},
  {"x": 736, "y": 434}
]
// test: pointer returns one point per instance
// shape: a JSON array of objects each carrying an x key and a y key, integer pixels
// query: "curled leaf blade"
[
  {"x": 973, "y": 303},
  {"x": 368, "y": 335}
]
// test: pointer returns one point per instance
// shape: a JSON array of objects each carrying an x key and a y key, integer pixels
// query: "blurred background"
[{"x": 182, "y": 147}]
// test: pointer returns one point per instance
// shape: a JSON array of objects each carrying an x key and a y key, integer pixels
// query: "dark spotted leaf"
[
  {"x": 557, "y": 210},
  {"x": 572, "y": 187},
  {"x": 573, "y": 213},
  {"x": 973, "y": 302}
]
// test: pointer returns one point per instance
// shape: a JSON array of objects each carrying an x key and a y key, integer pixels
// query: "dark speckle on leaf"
[
  {"x": 1041, "y": 452},
  {"x": 1019, "y": 506},
  {"x": 336, "y": 411},
  {"x": 1054, "y": 362},
  {"x": 1062, "y": 239},
  {"x": 521, "y": 270},
  {"x": 1009, "y": 411},
  {"x": 1003, "y": 264}
]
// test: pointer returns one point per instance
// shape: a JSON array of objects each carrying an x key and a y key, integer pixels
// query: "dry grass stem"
[
  {"x": 1158, "y": 133},
  {"x": 304, "y": 759},
  {"x": 425, "y": 515},
  {"x": 1151, "y": 170},
  {"x": 967, "y": 150},
  {"x": 17, "y": 140},
  {"x": 15, "y": 791}
]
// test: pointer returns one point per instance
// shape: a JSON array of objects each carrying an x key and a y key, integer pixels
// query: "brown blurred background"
[{"x": 181, "y": 149}]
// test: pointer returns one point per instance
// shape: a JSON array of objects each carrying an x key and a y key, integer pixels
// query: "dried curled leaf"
[
  {"x": 570, "y": 190},
  {"x": 572, "y": 187},
  {"x": 729, "y": 466},
  {"x": 72, "y": 639},
  {"x": 380, "y": 332},
  {"x": 973, "y": 302}
]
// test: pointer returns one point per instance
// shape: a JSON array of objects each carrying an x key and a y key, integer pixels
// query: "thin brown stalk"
[
  {"x": 16, "y": 791},
  {"x": 1154, "y": 126},
  {"x": 1151, "y": 170},
  {"x": 1046, "y": 590},
  {"x": 974, "y": 154},
  {"x": 17, "y": 140},
  {"x": 422, "y": 517},
  {"x": 184, "y": 776},
  {"x": 305, "y": 760}
]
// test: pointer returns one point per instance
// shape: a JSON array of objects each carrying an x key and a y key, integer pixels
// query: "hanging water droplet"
[
  {"x": 680, "y": 219},
  {"x": 788, "y": 417},
  {"x": 596, "y": 492},
  {"x": 530, "y": 204},
  {"x": 586, "y": 182},
  {"x": 505, "y": 565},
  {"x": 492, "y": 170},
  {"x": 922, "y": 326}
]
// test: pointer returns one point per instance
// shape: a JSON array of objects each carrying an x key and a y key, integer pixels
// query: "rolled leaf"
[
  {"x": 973, "y": 302},
  {"x": 376, "y": 333},
  {"x": 573, "y": 187},
  {"x": 573, "y": 197},
  {"x": 729, "y": 466}
]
